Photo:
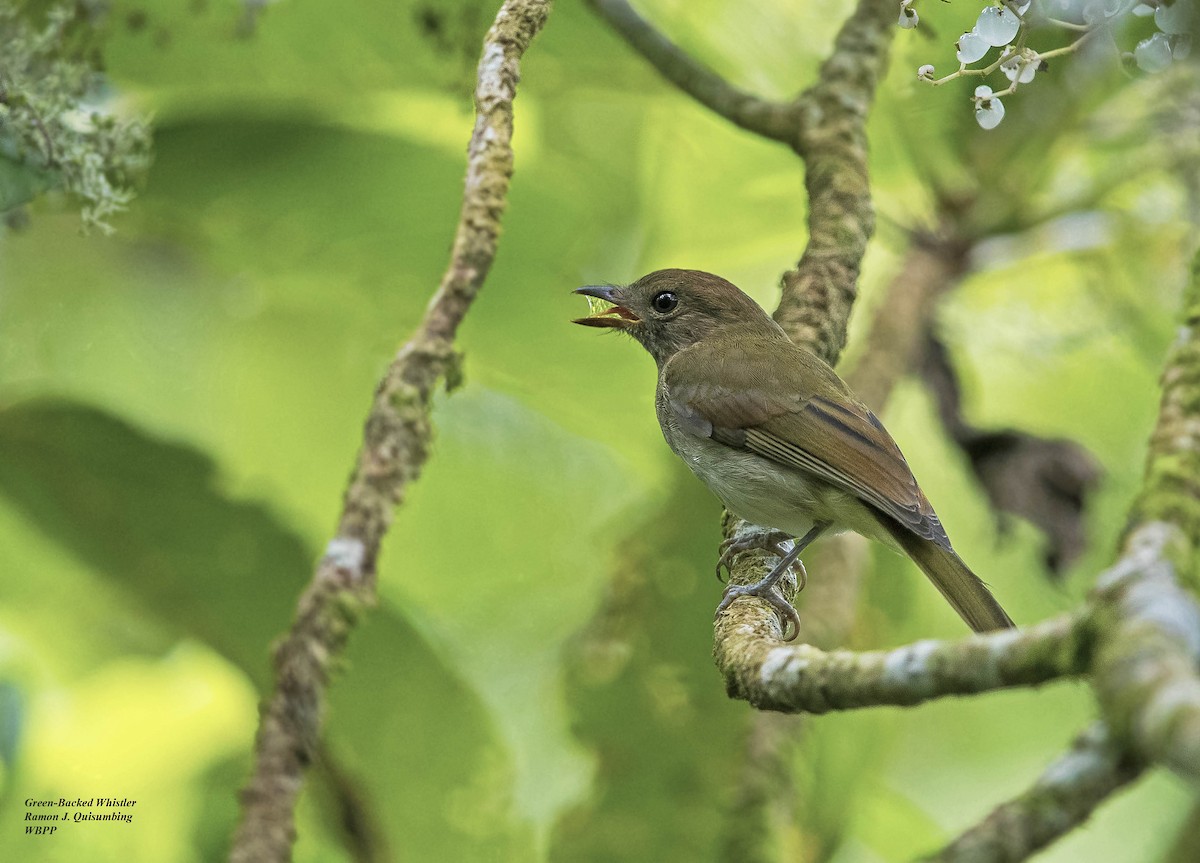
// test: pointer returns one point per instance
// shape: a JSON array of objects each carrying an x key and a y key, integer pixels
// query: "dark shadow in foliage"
[
  {"x": 644, "y": 692},
  {"x": 150, "y": 516},
  {"x": 1045, "y": 481}
]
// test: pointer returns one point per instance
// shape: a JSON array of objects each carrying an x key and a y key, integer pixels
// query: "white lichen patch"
[
  {"x": 782, "y": 667},
  {"x": 345, "y": 553},
  {"x": 908, "y": 667}
]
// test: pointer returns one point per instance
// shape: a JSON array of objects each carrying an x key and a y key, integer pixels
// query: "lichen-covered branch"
[
  {"x": 826, "y": 125},
  {"x": 1171, "y": 492},
  {"x": 1064, "y": 796},
  {"x": 1139, "y": 634},
  {"x": 1148, "y": 644},
  {"x": 832, "y": 139},
  {"x": 817, "y": 295},
  {"x": 1147, "y": 638},
  {"x": 765, "y": 117},
  {"x": 802, "y": 678},
  {"x": 395, "y": 445},
  {"x": 1146, "y": 669}
]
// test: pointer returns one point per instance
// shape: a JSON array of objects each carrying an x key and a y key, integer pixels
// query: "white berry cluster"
[{"x": 1006, "y": 26}]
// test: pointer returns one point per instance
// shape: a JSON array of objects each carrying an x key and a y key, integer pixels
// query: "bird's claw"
[
  {"x": 768, "y": 592},
  {"x": 730, "y": 548}
]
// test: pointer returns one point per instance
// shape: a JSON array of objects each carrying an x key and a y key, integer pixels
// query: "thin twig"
[
  {"x": 394, "y": 449},
  {"x": 771, "y": 119}
]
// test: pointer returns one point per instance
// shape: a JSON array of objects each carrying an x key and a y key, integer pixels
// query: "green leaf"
[{"x": 149, "y": 515}]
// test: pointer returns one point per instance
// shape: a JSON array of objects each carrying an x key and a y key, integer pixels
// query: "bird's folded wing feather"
[{"x": 788, "y": 406}]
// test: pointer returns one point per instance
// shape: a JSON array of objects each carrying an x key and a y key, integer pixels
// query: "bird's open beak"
[{"x": 616, "y": 316}]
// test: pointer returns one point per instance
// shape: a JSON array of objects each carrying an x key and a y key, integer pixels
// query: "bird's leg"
[
  {"x": 771, "y": 540},
  {"x": 767, "y": 589}
]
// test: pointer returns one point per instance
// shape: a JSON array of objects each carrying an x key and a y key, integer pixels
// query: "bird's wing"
[{"x": 788, "y": 406}]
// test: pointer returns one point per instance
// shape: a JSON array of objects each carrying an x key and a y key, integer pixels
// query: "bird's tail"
[{"x": 962, "y": 588}]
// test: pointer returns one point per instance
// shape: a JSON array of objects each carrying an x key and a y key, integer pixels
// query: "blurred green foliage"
[{"x": 180, "y": 404}]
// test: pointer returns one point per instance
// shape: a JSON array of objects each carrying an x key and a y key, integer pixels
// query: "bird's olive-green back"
[{"x": 768, "y": 396}]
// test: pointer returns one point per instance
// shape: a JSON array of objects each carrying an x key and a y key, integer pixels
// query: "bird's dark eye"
[{"x": 664, "y": 302}]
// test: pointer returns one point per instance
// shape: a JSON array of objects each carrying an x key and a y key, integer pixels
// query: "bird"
[{"x": 779, "y": 437}]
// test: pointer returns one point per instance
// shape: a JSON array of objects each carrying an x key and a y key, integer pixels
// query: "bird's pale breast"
[{"x": 766, "y": 493}]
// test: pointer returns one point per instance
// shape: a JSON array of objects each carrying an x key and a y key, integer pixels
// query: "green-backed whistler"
[{"x": 778, "y": 436}]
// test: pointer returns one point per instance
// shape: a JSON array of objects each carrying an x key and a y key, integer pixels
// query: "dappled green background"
[{"x": 180, "y": 404}]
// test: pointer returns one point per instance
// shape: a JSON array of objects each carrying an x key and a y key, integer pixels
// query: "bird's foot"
[
  {"x": 767, "y": 590},
  {"x": 771, "y": 540}
]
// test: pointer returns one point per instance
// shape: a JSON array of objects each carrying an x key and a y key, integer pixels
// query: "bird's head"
[{"x": 669, "y": 310}]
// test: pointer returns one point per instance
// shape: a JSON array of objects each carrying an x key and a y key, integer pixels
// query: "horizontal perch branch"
[{"x": 802, "y": 678}]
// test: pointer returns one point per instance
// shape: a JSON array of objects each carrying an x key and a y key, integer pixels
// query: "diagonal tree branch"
[
  {"x": 1147, "y": 639},
  {"x": 394, "y": 449},
  {"x": 1172, "y": 486},
  {"x": 1139, "y": 634},
  {"x": 831, "y": 138},
  {"x": 1063, "y": 797},
  {"x": 756, "y": 828},
  {"x": 826, "y": 126}
]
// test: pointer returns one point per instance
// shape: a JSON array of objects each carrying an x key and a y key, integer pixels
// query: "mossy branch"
[
  {"x": 802, "y": 678},
  {"x": 395, "y": 446},
  {"x": 831, "y": 138},
  {"x": 1061, "y": 799},
  {"x": 1137, "y": 639},
  {"x": 1146, "y": 664}
]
